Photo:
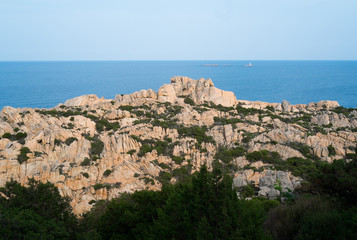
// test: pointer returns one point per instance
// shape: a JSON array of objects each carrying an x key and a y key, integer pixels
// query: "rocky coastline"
[{"x": 93, "y": 148}]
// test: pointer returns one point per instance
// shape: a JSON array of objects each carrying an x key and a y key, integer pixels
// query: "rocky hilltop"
[{"x": 93, "y": 148}]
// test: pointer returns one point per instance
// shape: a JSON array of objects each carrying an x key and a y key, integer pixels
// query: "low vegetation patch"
[{"x": 22, "y": 157}]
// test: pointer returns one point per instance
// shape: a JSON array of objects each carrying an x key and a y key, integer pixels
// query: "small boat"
[{"x": 249, "y": 65}]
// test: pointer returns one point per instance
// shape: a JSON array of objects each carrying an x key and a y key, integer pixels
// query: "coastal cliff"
[{"x": 93, "y": 148}]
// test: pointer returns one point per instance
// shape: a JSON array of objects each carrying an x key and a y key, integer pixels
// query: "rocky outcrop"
[{"x": 93, "y": 148}]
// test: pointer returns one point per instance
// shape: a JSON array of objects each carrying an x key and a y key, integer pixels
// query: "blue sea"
[{"x": 46, "y": 84}]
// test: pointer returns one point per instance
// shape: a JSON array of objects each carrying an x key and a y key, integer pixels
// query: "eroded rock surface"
[{"x": 93, "y": 148}]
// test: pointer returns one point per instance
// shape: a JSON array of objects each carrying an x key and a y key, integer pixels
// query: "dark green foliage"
[
  {"x": 189, "y": 101},
  {"x": 58, "y": 142},
  {"x": 86, "y": 175},
  {"x": 104, "y": 124},
  {"x": 247, "y": 191},
  {"x": 126, "y": 108},
  {"x": 312, "y": 218},
  {"x": 70, "y": 140},
  {"x": 165, "y": 123},
  {"x": 99, "y": 186},
  {"x": 331, "y": 150},
  {"x": 86, "y": 162},
  {"x": 227, "y": 155},
  {"x": 264, "y": 156},
  {"x": 131, "y": 152},
  {"x": 136, "y": 138},
  {"x": 130, "y": 216},
  {"x": 218, "y": 107},
  {"x": 22, "y": 157},
  {"x": 7, "y": 135},
  {"x": 164, "y": 177},
  {"x": 305, "y": 168},
  {"x": 177, "y": 159},
  {"x": 35, "y": 212},
  {"x": 97, "y": 146},
  {"x": 107, "y": 172},
  {"x": 145, "y": 148},
  {"x": 248, "y": 111},
  {"x": 19, "y": 136},
  {"x": 206, "y": 208},
  {"x": 339, "y": 179},
  {"x": 247, "y": 137},
  {"x": 148, "y": 120},
  {"x": 224, "y": 121},
  {"x": 344, "y": 111},
  {"x": 304, "y": 149},
  {"x": 55, "y": 113},
  {"x": 270, "y": 108},
  {"x": 197, "y": 132}
]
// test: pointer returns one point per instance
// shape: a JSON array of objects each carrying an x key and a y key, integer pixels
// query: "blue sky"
[{"x": 178, "y": 30}]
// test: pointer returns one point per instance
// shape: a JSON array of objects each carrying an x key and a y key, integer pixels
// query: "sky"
[{"x": 45, "y": 30}]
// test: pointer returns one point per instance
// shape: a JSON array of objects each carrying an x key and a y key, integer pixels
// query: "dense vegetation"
[{"x": 202, "y": 207}]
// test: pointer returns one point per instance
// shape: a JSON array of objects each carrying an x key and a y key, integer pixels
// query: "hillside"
[{"x": 93, "y": 148}]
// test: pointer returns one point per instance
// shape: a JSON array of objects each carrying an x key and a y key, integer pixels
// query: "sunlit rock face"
[{"x": 93, "y": 148}]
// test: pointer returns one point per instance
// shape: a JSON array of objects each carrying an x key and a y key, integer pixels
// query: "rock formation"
[{"x": 93, "y": 148}]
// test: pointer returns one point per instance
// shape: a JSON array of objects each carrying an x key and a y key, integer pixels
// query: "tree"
[{"x": 42, "y": 199}]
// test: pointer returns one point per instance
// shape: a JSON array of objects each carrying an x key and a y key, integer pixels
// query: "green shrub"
[
  {"x": 97, "y": 146},
  {"x": 70, "y": 140},
  {"x": 7, "y": 135},
  {"x": 304, "y": 149},
  {"x": 264, "y": 156},
  {"x": 107, "y": 172},
  {"x": 177, "y": 159},
  {"x": 197, "y": 132},
  {"x": 86, "y": 162},
  {"x": 126, "y": 107},
  {"x": 98, "y": 186},
  {"x": 145, "y": 148},
  {"x": 22, "y": 157},
  {"x": 189, "y": 101},
  {"x": 331, "y": 150},
  {"x": 164, "y": 177},
  {"x": 248, "y": 191},
  {"x": 227, "y": 155},
  {"x": 131, "y": 152},
  {"x": 86, "y": 175}
]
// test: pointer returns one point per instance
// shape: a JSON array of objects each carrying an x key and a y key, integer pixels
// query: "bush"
[
  {"x": 164, "y": 177},
  {"x": 197, "y": 132},
  {"x": 131, "y": 152},
  {"x": 227, "y": 155},
  {"x": 145, "y": 148},
  {"x": 177, "y": 159},
  {"x": 70, "y": 140},
  {"x": 22, "y": 157},
  {"x": 97, "y": 146},
  {"x": 189, "y": 101},
  {"x": 86, "y": 162},
  {"x": 7, "y": 135},
  {"x": 86, "y": 175},
  {"x": 331, "y": 150},
  {"x": 107, "y": 173}
]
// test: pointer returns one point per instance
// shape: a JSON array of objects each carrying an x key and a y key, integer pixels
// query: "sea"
[{"x": 47, "y": 84}]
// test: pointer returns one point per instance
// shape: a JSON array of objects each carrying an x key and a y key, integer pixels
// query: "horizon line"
[{"x": 173, "y": 60}]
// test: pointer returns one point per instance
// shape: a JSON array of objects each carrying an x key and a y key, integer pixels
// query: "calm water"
[{"x": 45, "y": 84}]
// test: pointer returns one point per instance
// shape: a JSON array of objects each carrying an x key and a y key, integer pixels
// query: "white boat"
[{"x": 249, "y": 65}]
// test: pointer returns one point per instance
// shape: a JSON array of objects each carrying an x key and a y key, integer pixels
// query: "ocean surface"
[{"x": 46, "y": 84}]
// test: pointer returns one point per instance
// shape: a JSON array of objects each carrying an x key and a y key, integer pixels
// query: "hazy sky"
[{"x": 177, "y": 29}]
